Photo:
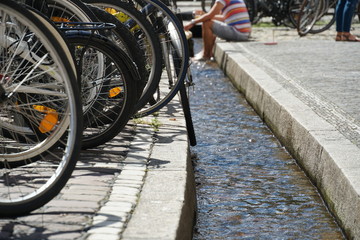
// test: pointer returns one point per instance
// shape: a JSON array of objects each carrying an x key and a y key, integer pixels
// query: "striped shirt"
[{"x": 236, "y": 15}]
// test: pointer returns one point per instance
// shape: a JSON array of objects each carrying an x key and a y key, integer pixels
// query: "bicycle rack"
[{"x": 66, "y": 26}]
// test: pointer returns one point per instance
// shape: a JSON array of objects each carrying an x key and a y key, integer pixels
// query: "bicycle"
[
  {"x": 173, "y": 45},
  {"x": 322, "y": 19},
  {"x": 326, "y": 17},
  {"x": 309, "y": 13},
  {"x": 109, "y": 89},
  {"x": 107, "y": 76},
  {"x": 282, "y": 12},
  {"x": 49, "y": 132},
  {"x": 128, "y": 9},
  {"x": 146, "y": 37},
  {"x": 40, "y": 114},
  {"x": 153, "y": 43},
  {"x": 160, "y": 29}
]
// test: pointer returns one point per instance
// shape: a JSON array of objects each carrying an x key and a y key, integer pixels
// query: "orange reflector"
[
  {"x": 49, "y": 120},
  {"x": 114, "y": 92},
  {"x": 110, "y": 10},
  {"x": 59, "y": 19}
]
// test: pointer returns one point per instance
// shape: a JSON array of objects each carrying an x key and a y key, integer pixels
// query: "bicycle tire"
[
  {"x": 29, "y": 130},
  {"x": 309, "y": 13},
  {"x": 326, "y": 19},
  {"x": 147, "y": 38},
  {"x": 63, "y": 10},
  {"x": 172, "y": 37},
  {"x": 122, "y": 37},
  {"x": 44, "y": 168},
  {"x": 77, "y": 11},
  {"x": 66, "y": 11},
  {"x": 294, "y": 12},
  {"x": 117, "y": 95}
]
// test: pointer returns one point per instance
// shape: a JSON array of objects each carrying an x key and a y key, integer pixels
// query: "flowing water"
[{"x": 248, "y": 186}]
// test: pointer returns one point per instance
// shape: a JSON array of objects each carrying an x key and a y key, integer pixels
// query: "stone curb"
[
  {"x": 154, "y": 195},
  {"x": 111, "y": 219},
  {"x": 330, "y": 160},
  {"x": 167, "y": 204}
]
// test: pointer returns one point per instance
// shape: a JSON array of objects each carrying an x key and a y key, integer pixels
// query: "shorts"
[{"x": 229, "y": 33}]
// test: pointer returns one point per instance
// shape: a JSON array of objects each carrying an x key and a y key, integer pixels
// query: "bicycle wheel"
[
  {"x": 77, "y": 11},
  {"x": 326, "y": 18},
  {"x": 40, "y": 98},
  {"x": 146, "y": 37},
  {"x": 106, "y": 70},
  {"x": 309, "y": 13},
  {"x": 122, "y": 37},
  {"x": 173, "y": 40},
  {"x": 294, "y": 12}
]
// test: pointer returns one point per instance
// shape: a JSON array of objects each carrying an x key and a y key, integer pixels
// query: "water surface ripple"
[{"x": 248, "y": 186}]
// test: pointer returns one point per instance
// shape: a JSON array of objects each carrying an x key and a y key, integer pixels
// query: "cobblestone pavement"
[
  {"x": 319, "y": 71},
  {"x": 99, "y": 197},
  {"x": 137, "y": 186},
  {"x": 281, "y": 33}
]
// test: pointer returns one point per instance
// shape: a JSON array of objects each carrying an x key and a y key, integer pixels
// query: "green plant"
[{"x": 154, "y": 122}]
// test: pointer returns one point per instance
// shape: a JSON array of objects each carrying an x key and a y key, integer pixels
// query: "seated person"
[{"x": 227, "y": 19}]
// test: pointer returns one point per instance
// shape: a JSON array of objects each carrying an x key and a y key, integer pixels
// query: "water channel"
[{"x": 248, "y": 186}]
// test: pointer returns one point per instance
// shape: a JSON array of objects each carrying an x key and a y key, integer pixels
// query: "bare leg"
[{"x": 208, "y": 39}]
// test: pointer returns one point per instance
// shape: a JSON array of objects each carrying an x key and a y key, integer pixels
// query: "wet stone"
[{"x": 248, "y": 186}]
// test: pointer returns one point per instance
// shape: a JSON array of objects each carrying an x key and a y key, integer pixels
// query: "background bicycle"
[
  {"x": 40, "y": 111},
  {"x": 317, "y": 16},
  {"x": 281, "y": 12}
]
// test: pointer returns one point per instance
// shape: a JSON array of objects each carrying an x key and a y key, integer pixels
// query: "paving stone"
[
  {"x": 73, "y": 204},
  {"x": 101, "y": 236}
]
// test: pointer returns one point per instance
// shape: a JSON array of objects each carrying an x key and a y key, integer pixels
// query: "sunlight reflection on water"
[{"x": 248, "y": 186}]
